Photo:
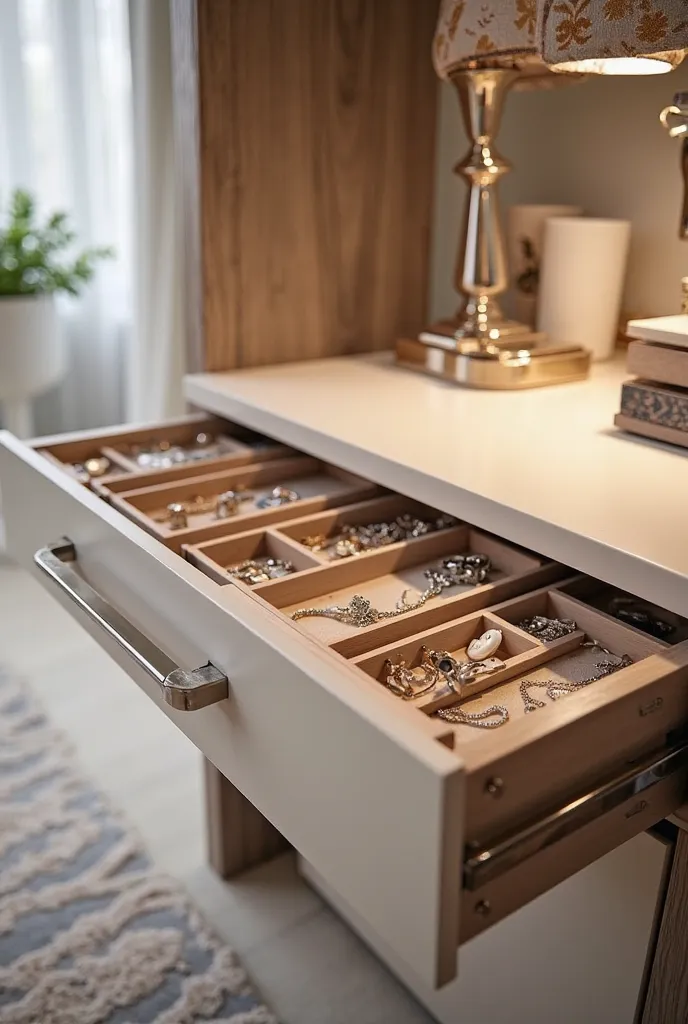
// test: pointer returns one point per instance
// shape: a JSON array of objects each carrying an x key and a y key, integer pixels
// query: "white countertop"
[{"x": 543, "y": 468}]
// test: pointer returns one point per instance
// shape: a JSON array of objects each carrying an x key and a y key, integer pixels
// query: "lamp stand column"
[{"x": 481, "y": 269}]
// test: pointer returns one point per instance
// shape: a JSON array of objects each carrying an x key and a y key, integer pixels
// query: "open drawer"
[{"x": 429, "y": 831}]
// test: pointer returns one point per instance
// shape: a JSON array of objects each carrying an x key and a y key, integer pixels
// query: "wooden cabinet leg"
[
  {"x": 239, "y": 837},
  {"x": 666, "y": 991}
]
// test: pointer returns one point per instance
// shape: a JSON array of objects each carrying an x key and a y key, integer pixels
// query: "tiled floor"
[{"x": 306, "y": 963}]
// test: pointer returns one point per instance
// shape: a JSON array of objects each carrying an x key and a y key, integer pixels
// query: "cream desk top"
[{"x": 542, "y": 468}]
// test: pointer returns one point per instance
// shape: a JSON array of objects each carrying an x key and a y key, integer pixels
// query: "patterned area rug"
[{"x": 90, "y": 932}]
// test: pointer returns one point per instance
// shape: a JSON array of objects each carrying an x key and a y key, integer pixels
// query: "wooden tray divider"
[
  {"x": 584, "y": 589},
  {"x": 330, "y": 523},
  {"x": 157, "y": 496},
  {"x": 517, "y": 571},
  {"x": 349, "y": 572},
  {"x": 611, "y": 632},
  {"x": 251, "y": 544},
  {"x": 79, "y": 447},
  {"x": 617, "y": 636},
  {"x": 126, "y": 474},
  {"x": 139, "y": 503},
  {"x": 519, "y": 651},
  {"x": 142, "y": 478}
]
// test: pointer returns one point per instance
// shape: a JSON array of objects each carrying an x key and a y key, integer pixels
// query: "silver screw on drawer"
[{"x": 494, "y": 786}]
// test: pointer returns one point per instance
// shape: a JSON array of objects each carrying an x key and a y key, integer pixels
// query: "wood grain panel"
[
  {"x": 316, "y": 150},
  {"x": 239, "y": 837},
  {"x": 666, "y": 1001},
  {"x": 186, "y": 149}
]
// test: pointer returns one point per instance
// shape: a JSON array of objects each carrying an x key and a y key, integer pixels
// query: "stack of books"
[{"x": 655, "y": 404}]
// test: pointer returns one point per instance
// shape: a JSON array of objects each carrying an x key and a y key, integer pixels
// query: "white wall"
[{"x": 598, "y": 145}]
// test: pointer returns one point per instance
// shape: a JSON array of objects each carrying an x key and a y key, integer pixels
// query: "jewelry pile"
[
  {"x": 163, "y": 454},
  {"x": 460, "y": 570},
  {"x": 457, "y": 570},
  {"x": 441, "y": 666},
  {"x": 176, "y": 514},
  {"x": 276, "y": 497},
  {"x": 260, "y": 570},
  {"x": 555, "y": 690},
  {"x": 356, "y": 540},
  {"x": 628, "y": 610},
  {"x": 93, "y": 467},
  {"x": 224, "y": 505},
  {"x": 547, "y": 630}
]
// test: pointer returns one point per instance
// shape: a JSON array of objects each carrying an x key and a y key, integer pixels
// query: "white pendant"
[{"x": 485, "y": 646}]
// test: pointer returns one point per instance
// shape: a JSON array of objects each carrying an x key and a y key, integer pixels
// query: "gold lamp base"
[
  {"x": 472, "y": 364},
  {"x": 499, "y": 331}
]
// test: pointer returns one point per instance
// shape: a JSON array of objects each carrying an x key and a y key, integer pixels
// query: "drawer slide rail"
[{"x": 484, "y": 864}]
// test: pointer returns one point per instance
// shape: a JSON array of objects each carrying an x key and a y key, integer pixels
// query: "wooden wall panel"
[{"x": 316, "y": 129}]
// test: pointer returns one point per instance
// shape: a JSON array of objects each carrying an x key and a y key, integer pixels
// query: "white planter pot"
[{"x": 31, "y": 350}]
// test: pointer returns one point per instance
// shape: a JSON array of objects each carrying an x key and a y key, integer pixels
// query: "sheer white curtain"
[
  {"x": 157, "y": 352},
  {"x": 88, "y": 136}
]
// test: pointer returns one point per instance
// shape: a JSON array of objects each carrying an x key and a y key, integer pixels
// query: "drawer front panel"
[{"x": 313, "y": 748}]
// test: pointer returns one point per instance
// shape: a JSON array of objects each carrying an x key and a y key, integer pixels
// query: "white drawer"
[{"x": 428, "y": 839}]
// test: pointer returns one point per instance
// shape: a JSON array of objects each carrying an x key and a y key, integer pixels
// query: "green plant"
[{"x": 33, "y": 258}]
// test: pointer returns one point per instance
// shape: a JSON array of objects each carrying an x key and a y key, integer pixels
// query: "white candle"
[{"x": 581, "y": 282}]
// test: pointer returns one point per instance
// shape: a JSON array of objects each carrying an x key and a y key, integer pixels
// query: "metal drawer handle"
[
  {"x": 182, "y": 689},
  {"x": 489, "y": 862}
]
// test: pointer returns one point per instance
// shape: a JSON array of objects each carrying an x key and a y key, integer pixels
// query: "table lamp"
[{"x": 484, "y": 49}]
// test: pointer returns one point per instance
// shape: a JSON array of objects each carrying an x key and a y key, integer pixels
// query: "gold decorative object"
[
  {"x": 484, "y": 48},
  {"x": 675, "y": 119}
]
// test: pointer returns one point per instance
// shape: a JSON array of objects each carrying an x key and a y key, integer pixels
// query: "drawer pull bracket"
[
  {"x": 484, "y": 864},
  {"x": 182, "y": 689}
]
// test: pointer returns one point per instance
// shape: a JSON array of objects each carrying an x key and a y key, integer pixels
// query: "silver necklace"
[
  {"x": 470, "y": 569},
  {"x": 491, "y": 718},
  {"x": 359, "y": 611},
  {"x": 555, "y": 690},
  {"x": 356, "y": 540},
  {"x": 260, "y": 570}
]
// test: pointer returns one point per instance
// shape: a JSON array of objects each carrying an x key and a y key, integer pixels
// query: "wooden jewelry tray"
[
  {"x": 240, "y": 447},
  {"x": 318, "y": 484}
]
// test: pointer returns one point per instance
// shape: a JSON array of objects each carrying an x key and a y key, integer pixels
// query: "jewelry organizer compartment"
[
  {"x": 109, "y": 459},
  {"x": 512, "y": 649},
  {"x": 635, "y": 613},
  {"x": 244, "y": 557},
  {"x": 377, "y": 582},
  {"x": 589, "y": 647},
  {"x": 355, "y": 531},
  {"x": 303, "y": 483}
]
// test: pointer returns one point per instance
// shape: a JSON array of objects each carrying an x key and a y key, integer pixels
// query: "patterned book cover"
[{"x": 665, "y": 406}]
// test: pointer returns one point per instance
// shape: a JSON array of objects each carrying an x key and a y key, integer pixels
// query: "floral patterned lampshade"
[{"x": 536, "y": 36}]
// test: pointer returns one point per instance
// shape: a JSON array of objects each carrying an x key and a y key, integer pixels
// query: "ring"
[
  {"x": 97, "y": 466},
  {"x": 227, "y": 505},
  {"x": 278, "y": 496},
  {"x": 176, "y": 515}
]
